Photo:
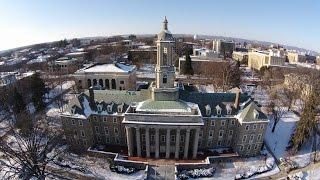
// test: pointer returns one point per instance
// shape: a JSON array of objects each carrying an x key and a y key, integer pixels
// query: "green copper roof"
[{"x": 170, "y": 106}]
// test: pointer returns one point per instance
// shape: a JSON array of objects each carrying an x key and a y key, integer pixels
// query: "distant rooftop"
[{"x": 108, "y": 68}]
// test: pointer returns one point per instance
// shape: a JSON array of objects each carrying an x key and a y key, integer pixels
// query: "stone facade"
[
  {"x": 165, "y": 121},
  {"x": 257, "y": 60},
  {"x": 107, "y": 76}
]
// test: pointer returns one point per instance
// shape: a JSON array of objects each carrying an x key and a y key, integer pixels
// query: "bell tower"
[
  {"x": 165, "y": 72},
  {"x": 164, "y": 89}
]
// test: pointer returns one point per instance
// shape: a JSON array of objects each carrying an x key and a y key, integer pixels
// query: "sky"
[{"x": 289, "y": 22}]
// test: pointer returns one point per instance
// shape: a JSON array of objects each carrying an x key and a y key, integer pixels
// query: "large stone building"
[
  {"x": 165, "y": 121},
  {"x": 259, "y": 59},
  {"x": 116, "y": 76},
  {"x": 295, "y": 57},
  {"x": 223, "y": 47}
]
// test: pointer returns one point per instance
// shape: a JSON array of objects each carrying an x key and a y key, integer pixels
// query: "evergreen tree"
[
  {"x": 38, "y": 90},
  {"x": 19, "y": 106},
  {"x": 235, "y": 75},
  {"x": 188, "y": 65},
  {"x": 307, "y": 124}
]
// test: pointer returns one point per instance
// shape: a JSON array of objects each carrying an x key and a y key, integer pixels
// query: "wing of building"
[{"x": 164, "y": 121}]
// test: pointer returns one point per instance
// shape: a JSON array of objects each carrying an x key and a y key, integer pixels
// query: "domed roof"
[{"x": 165, "y": 34}]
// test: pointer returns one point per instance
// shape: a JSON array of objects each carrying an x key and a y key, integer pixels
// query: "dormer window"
[
  {"x": 229, "y": 109},
  {"x": 218, "y": 109},
  {"x": 73, "y": 110},
  {"x": 208, "y": 110},
  {"x": 99, "y": 107},
  {"x": 109, "y": 108},
  {"x": 164, "y": 79},
  {"x": 120, "y": 108}
]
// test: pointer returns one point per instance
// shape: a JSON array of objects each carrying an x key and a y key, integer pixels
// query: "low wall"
[
  {"x": 101, "y": 154},
  {"x": 127, "y": 163}
]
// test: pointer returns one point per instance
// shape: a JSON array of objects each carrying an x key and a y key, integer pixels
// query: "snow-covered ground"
[
  {"x": 146, "y": 71},
  {"x": 98, "y": 168},
  {"x": 59, "y": 89}
]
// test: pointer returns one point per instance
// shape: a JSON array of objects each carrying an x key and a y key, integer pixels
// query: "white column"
[
  {"x": 129, "y": 141},
  {"x": 195, "y": 143},
  {"x": 157, "y": 143},
  {"x": 138, "y": 142},
  {"x": 168, "y": 144},
  {"x": 176, "y": 155},
  {"x": 186, "y": 145},
  {"x": 147, "y": 142}
]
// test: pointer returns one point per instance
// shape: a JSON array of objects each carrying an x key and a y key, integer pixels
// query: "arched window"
[
  {"x": 94, "y": 82},
  {"x": 89, "y": 83},
  {"x": 107, "y": 83},
  {"x": 113, "y": 84},
  {"x": 164, "y": 79},
  {"x": 101, "y": 82}
]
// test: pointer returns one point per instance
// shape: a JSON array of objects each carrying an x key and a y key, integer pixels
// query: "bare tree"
[
  {"x": 27, "y": 154},
  {"x": 276, "y": 108}
]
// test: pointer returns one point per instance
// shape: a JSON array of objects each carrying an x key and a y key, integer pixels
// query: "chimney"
[
  {"x": 91, "y": 96},
  {"x": 237, "y": 99}
]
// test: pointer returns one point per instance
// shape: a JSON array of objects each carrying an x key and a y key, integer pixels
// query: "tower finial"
[{"x": 165, "y": 23}]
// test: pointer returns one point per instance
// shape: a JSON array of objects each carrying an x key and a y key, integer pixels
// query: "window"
[
  {"x": 163, "y": 138},
  {"x": 109, "y": 108},
  {"x": 99, "y": 107},
  {"x": 97, "y": 129},
  {"x": 261, "y": 126},
  {"x": 73, "y": 110},
  {"x": 259, "y": 137},
  {"x": 173, "y": 138},
  {"x": 241, "y": 148},
  {"x": 95, "y": 118},
  {"x": 223, "y": 123},
  {"x": 209, "y": 143},
  {"x": 106, "y": 82},
  {"x": 230, "y": 132},
  {"x": 233, "y": 122},
  {"x": 116, "y": 131},
  {"x": 121, "y": 82},
  {"x": 89, "y": 82},
  {"x": 181, "y": 149},
  {"x": 73, "y": 122},
  {"x": 210, "y": 133},
  {"x": 117, "y": 140},
  {"x": 256, "y": 146},
  {"x": 143, "y": 136},
  {"x": 80, "y": 122},
  {"x": 164, "y": 79},
  {"x": 120, "y": 107},
  {"x": 75, "y": 133},
  {"x": 219, "y": 143},
  {"x": 229, "y": 142},
  {"x": 82, "y": 133},
  {"x": 244, "y": 138},
  {"x": 200, "y": 133},
  {"x": 208, "y": 110},
  {"x": 221, "y": 133},
  {"x": 218, "y": 108},
  {"x": 182, "y": 138},
  {"x": 247, "y": 127},
  {"x": 104, "y": 119},
  {"x": 106, "y": 130},
  {"x": 152, "y": 138},
  {"x": 212, "y": 122},
  {"x": 114, "y": 119},
  {"x": 249, "y": 147},
  {"x": 229, "y": 109},
  {"x": 251, "y": 137},
  {"x": 99, "y": 138},
  {"x": 107, "y": 140},
  {"x": 254, "y": 127}
]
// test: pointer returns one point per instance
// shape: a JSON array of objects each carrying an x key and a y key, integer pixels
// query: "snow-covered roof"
[{"x": 109, "y": 68}]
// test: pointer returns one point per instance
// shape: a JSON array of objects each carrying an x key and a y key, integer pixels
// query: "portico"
[{"x": 171, "y": 146}]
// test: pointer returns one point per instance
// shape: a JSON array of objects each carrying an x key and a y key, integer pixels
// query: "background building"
[
  {"x": 259, "y": 59},
  {"x": 224, "y": 48},
  {"x": 116, "y": 76}
]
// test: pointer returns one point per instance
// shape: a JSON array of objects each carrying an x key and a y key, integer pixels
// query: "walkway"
[{"x": 161, "y": 172}]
